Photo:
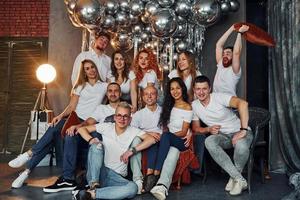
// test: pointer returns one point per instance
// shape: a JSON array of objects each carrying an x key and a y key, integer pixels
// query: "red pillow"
[
  {"x": 256, "y": 35},
  {"x": 71, "y": 120}
]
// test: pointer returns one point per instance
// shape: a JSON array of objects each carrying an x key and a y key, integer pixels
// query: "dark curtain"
[{"x": 284, "y": 87}]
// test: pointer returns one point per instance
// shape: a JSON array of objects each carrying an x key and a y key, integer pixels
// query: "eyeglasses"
[{"x": 124, "y": 117}]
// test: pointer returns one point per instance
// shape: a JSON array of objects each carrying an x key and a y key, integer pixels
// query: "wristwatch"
[{"x": 133, "y": 150}]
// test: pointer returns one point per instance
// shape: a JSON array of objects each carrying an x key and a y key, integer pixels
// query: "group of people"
[{"x": 120, "y": 114}]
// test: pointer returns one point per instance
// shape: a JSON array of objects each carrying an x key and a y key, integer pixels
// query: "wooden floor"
[{"x": 275, "y": 188}]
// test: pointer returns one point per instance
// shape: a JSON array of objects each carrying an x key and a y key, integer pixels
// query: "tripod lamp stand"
[{"x": 45, "y": 73}]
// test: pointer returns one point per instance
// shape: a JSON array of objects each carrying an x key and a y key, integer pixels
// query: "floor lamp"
[{"x": 45, "y": 73}]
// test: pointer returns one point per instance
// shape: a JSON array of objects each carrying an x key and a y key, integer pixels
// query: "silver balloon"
[
  {"x": 122, "y": 41},
  {"x": 111, "y": 6},
  {"x": 124, "y": 5},
  {"x": 151, "y": 8},
  {"x": 164, "y": 22},
  {"x": 147, "y": 28},
  {"x": 225, "y": 7},
  {"x": 183, "y": 8},
  {"x": 88, "y": 12},
  {"x": 108, "y": 22},
  {"x": 145, "y": 18},
  {"x": 136, "y": 7},
  {"x": 134, "y": 19},
  {"x": 234, "y": 5},
  {"x": 181, "y": 46},
  {"x": 166, "y": 3},
  {"x": 137, "y": 29},
  {"x": 206, "y": 12},
  {"x": 122, "y": 19},
  {"x": 181, "y": 31},
  {"x": 145, "y": 36},
  {"x": 181, "y": 20}
]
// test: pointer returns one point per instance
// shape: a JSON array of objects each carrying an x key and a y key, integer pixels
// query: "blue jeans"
[
  {"x": 113, "y": 185},
  {"x": 166, "y": 141},
  {"x": 45, "y": 144},
  {"x": 75, "y": 151},
  {"x": 199, "y": 147}
]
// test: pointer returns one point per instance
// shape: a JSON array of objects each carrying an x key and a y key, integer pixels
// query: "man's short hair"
[
  {"x": 102, "y": 33},
  {"x": 228, "y": 47},
  {"x": 114, "y": 83},
  {"x": 124, "y": 104},
  {"x": 202, "y": 79}
]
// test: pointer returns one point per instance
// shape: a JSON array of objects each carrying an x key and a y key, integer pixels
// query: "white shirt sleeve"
[
  {"x": 97, "y": 114},
  {"x": 187, "y": 116},
  {"x": 131, "y": 75},
  {"x": 77, "y": 90},
  {"x": 223, "y": 99},
  {"x": 102, "y": 128},
  {"x": 173, "y": 74},
  {"x": 135, "y": 122},
  {"x": 151, "y": 77},
  {"x": 198, "y": 73}
]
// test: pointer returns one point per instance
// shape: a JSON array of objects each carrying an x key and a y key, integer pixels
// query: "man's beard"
[{"x": 226, "y": 62}]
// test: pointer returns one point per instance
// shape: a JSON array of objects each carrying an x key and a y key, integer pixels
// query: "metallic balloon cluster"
[{"x": 151, "y": 22}]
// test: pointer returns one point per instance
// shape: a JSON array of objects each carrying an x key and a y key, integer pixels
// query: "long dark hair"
[
  {"x": 125, "y": 72},
  {"x": 169, "y": 101}
]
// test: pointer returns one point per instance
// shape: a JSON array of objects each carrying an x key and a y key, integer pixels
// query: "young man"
[
  {"x": 97, "y": 55},
  {"x": 109, "y": 169},
  {"x": 228, "y": 63},
  {"x": 73, "y": 143},
  {"x": 226, "y": 130}
]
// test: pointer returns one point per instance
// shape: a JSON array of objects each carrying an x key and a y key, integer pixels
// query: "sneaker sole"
[
  {"x": 244, "y": 188},
  {"x": 58, "y": 190},
  {"x": 158, "y": 196}
]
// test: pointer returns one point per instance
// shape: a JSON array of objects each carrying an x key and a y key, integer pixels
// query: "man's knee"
[
  {"x": 96, "y": 148},
  {"x": 211, "y": 142},
  {"x": 136, "y": 141},
  {"x": 241, "y": 148},
  {"x": 132, "y": 189}
]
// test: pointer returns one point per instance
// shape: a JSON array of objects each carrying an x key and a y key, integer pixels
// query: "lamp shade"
[{"x": 46, "y": 73}]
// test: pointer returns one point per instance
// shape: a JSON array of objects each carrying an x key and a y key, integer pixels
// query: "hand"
[
  {"x": 155, "y": 135},
  {"x": 125, "y": 156},
  {"x": 243, "y": 28},
  {"x": 214, "y": 129},
  {"x": 72, "y": 130},
  {"x": 239, "y": 135},
  {"x": 55, "y": 120},
  {"x": 187, "y": 139},
  {"x": 95, "y": 141}
]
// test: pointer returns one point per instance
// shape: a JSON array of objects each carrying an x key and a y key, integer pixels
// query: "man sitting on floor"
[
  {"x": 109, "y": 169},
  {"x": 226, "y": 130},
  {"x": 73, "y": 143}
]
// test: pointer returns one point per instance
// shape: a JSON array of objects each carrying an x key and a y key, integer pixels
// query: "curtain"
[{"x": 284, "y": 85}]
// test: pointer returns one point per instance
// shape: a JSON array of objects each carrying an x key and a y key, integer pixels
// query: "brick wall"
[{"x": 24, "y": 18}]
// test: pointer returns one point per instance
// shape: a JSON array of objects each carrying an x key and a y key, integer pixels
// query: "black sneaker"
[
  {"x": 80, "y": 187},
  {"x": 60, "y": 185},
  {"x": 82, "y": 195}
]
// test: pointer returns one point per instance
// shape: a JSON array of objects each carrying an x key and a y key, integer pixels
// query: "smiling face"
[
  {"x": 227, "y": 57},
  {"x": 90, "y": 70},
  {"x": 122, "y": 117},
  {"x": 119, "y": 61},
  {"x": 176, "y": 90},
  {"x": 113, "y": 93},
  {"x": 143, "y": 60},
  {"x": 202, "y": 91},
  {"x": 101, "y": 43},
  {"x": 183, "y": 62},
  {"x": 150, "y": 96}
]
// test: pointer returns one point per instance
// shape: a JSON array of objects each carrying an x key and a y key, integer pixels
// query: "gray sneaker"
[
  {"x": 18, "y": 182},
  {"x": 229, "y": 185},
  {"x": 160, "y": 192},
  {"x": 238, "y": 186}
]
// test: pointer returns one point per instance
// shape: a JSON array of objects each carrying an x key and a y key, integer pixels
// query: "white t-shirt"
[
  {"x": 217, "y": 113},
  {"x": 149, "y": 77},
  {"x": 115, "y": 145},
  {"x": 147, "y": 120},
  {"x": 177, "y": 117},
  {"x": 226, "y": 80},
  {"x": 125, "y": 86},
  {"x": 102, "y": 62},
  {"x": 102, "y": 111},
  {"x": 89, "y": 98},
  {"x": 187, "y": 81}
]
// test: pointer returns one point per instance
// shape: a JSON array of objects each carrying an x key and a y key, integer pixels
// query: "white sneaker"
[
  {"x": 19, "y": 161},
  {"x": 238, "y": 186},
  {"x": 139, "y": 184},
  {"x": 159, "y": 192},
  {"x": 229, "y": 185},
  {"x": 18, "y": 182}
]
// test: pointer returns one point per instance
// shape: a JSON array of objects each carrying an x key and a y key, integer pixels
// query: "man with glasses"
[
  {"x": 75, "y": 147},
  {"x": 109, "y": 169},
  {"x": 97, "y": 55}
]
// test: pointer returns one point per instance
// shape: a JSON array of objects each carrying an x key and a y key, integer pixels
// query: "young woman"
[
  {"x": 125, "y": 78},
  {"x": 186, "y": 70},
  {"x": 175, "y": 119},
  {"x": 87, "y": 93}
]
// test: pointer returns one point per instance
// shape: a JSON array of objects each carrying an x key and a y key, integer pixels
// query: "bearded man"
[{"x": 228, "y": 62}]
